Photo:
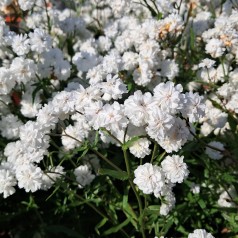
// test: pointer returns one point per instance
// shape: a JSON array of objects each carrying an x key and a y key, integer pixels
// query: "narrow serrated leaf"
[
  {"x": 116, "y": 228},
  {"x": 122, "y": 175}
]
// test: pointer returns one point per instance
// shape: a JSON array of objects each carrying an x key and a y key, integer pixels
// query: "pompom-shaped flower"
[
  {"x": 149, "y": 178},
  {"x": 200, "y": 233},
  {"x": 20, "y": 44},
  {"x": 168, "y": 97},
  {"x": 84, "y": 175},
  {"x": 136, "y": 107},
  {"x": 26, "y": 4},
  {"x": 29, "y": 177},
  {"x": 174, "y": 168},
  {"x": 193, "y": 109},
  {"x": 140, "y": 148},
  {"x": 7, "y": 183},
  {"x": 113, "y": 88}
]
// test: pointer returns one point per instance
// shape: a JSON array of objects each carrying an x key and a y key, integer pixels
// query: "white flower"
[
  {"x": 83, "y": 175},
  {"x": 112, "y": 62},
  {"x": 64, "y": 103},
  {"x": 71, "y": 138},
  {"x": 140, "y": 148},
  {"x": 7, "y": 81},
  {"x": 136, "y": 107},
  {"x": 20, "y": 44},
  {"x": 32, "y": 136},
  {"x": 49, "y": 178},
  {"x": 11, "y": 131},
  {"x": 168, "y": 97},
  {"x": 200, "y": 233},
  {"x": 26, "y": 4},
  {"x": 174, "y": 168},
  {"x": 169, "y": 69},
  {"x": 62, "y": 69},
  {"x": 120, "y": 7},
  {"x": 113, "y": 88},
  {"x": 158, "y": 123},
  {"x": 226, "y": 198},
  {"x": 208, "y": 63},
  {"x": 92, "y": 114},
  {"x": 46, "y": 117},
  {"x": 168, "y": 205},
  {"x": 85, "y": 61},
  {"x": 215, "y": 48},
  {"x": 39, "y": 40},
  {"x": 213, "y": 153},
  {"x": 214, "y": 119},
  {"x": 195, "y": 188},
  {"x": 5, "y": 3},
  {"x": 96, "y": 75},
  {"x": 149, "y": 178},
  {"x": 142, "y": 75},
  {"x": 112, "y": 117},
  {"x": 193, "y": 108},
  {"x": 175, "y": 137},
  {"x": 28, "y": 107},
  {"x": 29, "y": 177},
  {"x": 7, "y": 183},
  {"x": 130, "y": 60},
  {"x": 104, "y": 43},
  {"x": 171, "y": 25},
  {"x": 23, "y": 70}
]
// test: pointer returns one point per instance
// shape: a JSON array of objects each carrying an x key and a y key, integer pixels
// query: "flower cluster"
[
  {"x": 160, "y": 180},
  {"x": 116, "y": 83}
]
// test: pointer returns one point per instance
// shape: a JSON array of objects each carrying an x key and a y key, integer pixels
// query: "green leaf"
[
  {"x": 55, "y": 190},
  {"x": 36, "y": 90},
  {"x": 192, "y": 39},
  {"x": 82, "y": 155},
  {"x": 159, "y": 16},
  {"x": 229, "y": 178},
  {"x": 130, "y": 86},
  {"x": 167, "y": 226},
  {"x": 153, "y": 209},
  {"x": 127, "y": 209},
  {"x": 201, "y": 203},
  {"x": 122, "y": 175},
  {"x": 100, "y": 224},
  {"x": 116, "y": 228}
]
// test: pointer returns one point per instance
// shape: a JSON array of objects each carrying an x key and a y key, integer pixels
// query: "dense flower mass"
[{"x": 138, "y": 99}]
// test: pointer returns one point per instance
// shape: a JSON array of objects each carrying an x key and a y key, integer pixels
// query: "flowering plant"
[{"x": 120, "y": 117}]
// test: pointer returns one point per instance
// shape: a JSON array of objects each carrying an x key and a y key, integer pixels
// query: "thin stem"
[
  {"x": 197, "y": 138},
  {"x": 209, "y": 146},
  {"x": 88, "y": 203},
  {"x": 94, "y": 151},
  {"x": 110, "y": 134},
  {"x": 48, "y": 17},
  {"x": 124, "y": 137},
  {"x": 3, "y": 103},
  {"x": 141, "y": 222},
  {"x": 105, "y": 159},
  {"x": 154, "y": 152},
  {"x": 100, "y": 213}
]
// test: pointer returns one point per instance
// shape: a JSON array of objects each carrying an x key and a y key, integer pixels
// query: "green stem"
[
  {"x": 209, "y": 146},
  {"x": 110, "y": 134},
  {"x": 154, "y": 152},
  {"x": 100, "y": 213},
  {"x": 136, "y": 193},
  {"x": 105, "y": 159},
  {"x": 48, "y": 17}
]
